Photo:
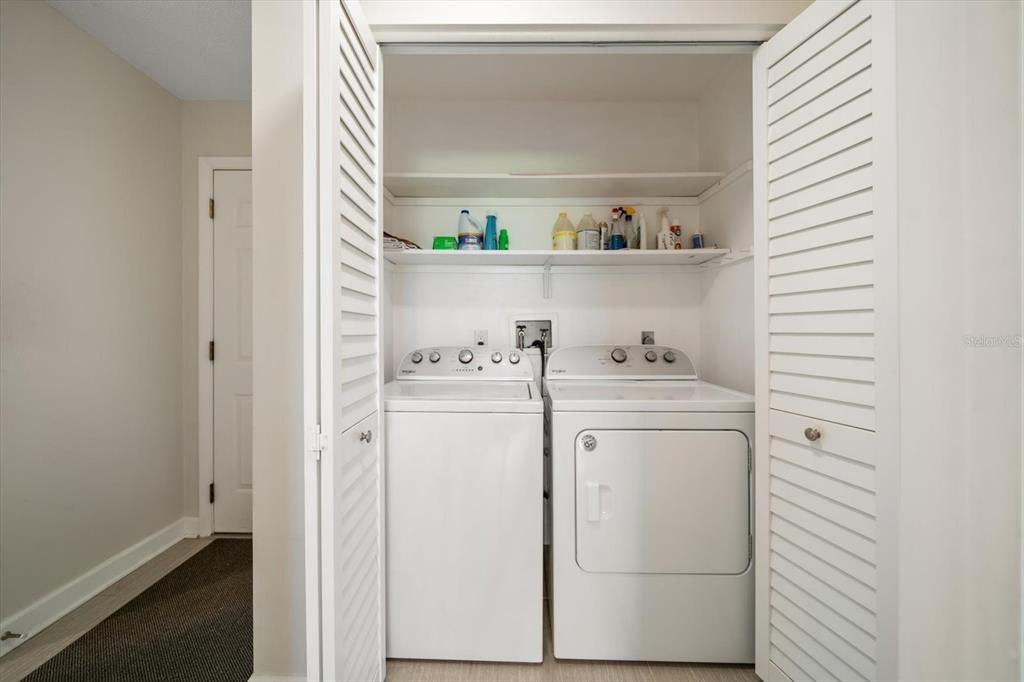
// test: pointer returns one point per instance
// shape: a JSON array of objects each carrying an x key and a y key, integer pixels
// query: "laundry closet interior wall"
[{"x": 454, "y": 121}]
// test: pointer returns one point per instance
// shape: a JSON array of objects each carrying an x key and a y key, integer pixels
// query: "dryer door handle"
[{"x": 593, "y": 500}]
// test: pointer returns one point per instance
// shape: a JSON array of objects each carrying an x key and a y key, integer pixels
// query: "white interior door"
[
  {"x": 351, "y": 476},
  {"x": 232, "y": 366},
  {"x": 820, "y": 98}
]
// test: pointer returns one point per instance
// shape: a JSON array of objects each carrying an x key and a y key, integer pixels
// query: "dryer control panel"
[
  {"x": 480, "y": 363},
  {"x": 646, "y": 362}
]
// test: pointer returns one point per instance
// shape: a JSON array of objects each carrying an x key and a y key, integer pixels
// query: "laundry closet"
[
  {"x": 528, "y": 132},
  {"x": 797, "y": 293}
]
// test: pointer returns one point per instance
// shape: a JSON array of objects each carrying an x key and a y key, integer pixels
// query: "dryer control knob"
[
  {"x": 669, "y": 356},
  {"x": 495, "y": 357},
  {"x": 651, "y": 356},
  {"x": 417, "y": 358},
  {"x": 465, "y": 356},
  {"x": 619, "y": 355},
  {"x": 513, "y": 357},
  {"x": 434, "y": 356}
]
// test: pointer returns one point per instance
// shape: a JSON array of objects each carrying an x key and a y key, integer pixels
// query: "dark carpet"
[{"x": 195, "y": 624}]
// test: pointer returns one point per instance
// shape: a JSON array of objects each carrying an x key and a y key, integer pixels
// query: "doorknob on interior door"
[{"x": 366, "y": 436}]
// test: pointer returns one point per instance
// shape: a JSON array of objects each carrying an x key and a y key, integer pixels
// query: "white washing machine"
[
  {"x": 464, "y": 484},
  {"x": 652, "y": 508}
]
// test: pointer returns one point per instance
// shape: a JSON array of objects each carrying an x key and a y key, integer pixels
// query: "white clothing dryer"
[
  {"x": 464, "y": 506},
  {"x": 652, "y": 508}
]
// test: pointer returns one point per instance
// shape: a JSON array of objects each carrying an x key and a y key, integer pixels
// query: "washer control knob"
[
  {"x": 669, "y": 356},
  {"x": 495, "y": 357},
  {"x": 417, "y": 358},
  {"x": 651, "y": 356},
  {"x": 513, "y": 357},
  {"x": 435, "y": 356},
  {"x": 465, "y": 356},
  {"x": 619, "y": 355}
]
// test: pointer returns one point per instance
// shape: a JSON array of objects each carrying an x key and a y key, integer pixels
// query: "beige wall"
[
  {"x": 207, "y": 129},
  {"x": 90, "y": 301},
  {"x": 279, "y": 174}
]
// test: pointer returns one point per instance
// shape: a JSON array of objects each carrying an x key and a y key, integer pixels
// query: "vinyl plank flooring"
[{"x": 52, "y": 640}]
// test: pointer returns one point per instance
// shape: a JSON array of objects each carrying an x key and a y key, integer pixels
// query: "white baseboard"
[
  {"x": 277, "y": 678},
  {"x": 56, "y": 604}
]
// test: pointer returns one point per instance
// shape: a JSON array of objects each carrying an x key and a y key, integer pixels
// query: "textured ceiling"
[{"x": 196, "y": 49}]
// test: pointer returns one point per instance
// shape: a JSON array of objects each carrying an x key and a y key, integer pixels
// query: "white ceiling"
[
  {"x": 575, "y": 77},
  {"x": 196, "y": 49}
]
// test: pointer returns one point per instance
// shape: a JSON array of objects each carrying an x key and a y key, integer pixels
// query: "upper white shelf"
[
  {"x": 523, "y": 185},
  {"x": 554, "y": 258}
]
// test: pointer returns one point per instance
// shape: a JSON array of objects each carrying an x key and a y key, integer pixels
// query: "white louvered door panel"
[
  {"x": 818, "y": 508},
  {"x": 350, "y": 264}
]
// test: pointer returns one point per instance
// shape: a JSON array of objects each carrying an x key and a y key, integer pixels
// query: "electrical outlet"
[
  {"x": 480, "y": 337},
  {"x": 526, "y": 332},
  {"x": 647, "y": 338}
]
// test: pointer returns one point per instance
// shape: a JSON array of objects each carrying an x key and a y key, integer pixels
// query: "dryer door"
[{"x": 651, "y": 501}]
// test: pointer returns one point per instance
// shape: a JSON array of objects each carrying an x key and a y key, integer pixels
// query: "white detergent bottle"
[
  {"x": 471, "y": 235},
  {"x": 666, "y": 242},
  {"x": 641, "y": 227}
]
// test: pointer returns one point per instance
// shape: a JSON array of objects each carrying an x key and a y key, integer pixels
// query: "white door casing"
[
  {"x": 823, "y": 249},
  {"x": 232, "y": 362},
  {"x": 351, "y": 474}
]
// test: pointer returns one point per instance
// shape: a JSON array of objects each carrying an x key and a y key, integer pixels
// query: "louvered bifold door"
[
  {"x": 350, "y": 257},
  {"x": 815, "y": 121}
]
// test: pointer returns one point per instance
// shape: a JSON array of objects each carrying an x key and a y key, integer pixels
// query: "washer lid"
[
  {"x": 646, "y": 396},
  {"x": 462, "y": 396}
]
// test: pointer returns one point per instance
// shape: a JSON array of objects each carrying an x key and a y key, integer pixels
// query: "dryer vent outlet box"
[{"x": 525, "y": 332}]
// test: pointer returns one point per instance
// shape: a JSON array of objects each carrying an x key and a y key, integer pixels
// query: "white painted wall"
[
  {"x": 520, "y": 136},
  {"x": 959, "y": 78},
  {"x": 610, "y": 306},
  {"x": 278, "y": 448},
  {"x": 207, "y": 129},
  {"x": 90, "y": 304},
  {"x": 727, "y": 306},
  {"x": 727, "y": 218}
]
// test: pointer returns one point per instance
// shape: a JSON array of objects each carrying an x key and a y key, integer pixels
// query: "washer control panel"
[
  {"x": 487, "y": 363},
  {"x": 620, "y": 362}
]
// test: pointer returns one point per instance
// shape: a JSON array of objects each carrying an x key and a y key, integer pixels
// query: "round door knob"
[
  {"x": 435, "y": 356},
  {"x": 513, "y": 358},
  {"x": 619, "y": 355},
  {"x": 417, "y": 358},
  {"x": 651, "y": 356},
  {"x": 812, "y": 434},
  {"x": 465, "y": 356},
  {"x": 669, "y": 356},
  {"x": 495, "y": 357}
]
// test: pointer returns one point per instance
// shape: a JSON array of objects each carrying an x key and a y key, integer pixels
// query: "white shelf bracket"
[{"x": 547, "y": 278}]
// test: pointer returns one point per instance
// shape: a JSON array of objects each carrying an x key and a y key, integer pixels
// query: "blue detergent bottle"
[{"x": 491, "y": 233}]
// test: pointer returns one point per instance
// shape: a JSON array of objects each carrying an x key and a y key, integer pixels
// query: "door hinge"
[
  {"x": 211, "y": 351},
  {"x": 211, "y": 208},
  {"x": 212, "y": 496},
  {"x": 316, "y": 441}
]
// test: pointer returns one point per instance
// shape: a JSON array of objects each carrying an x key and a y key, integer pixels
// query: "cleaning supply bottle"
[
  {"x": 491, "y": 233},
  {"x": 503, "y": 240},
  {"x": 616, "y": 240},
  {"x": 629, "y": 232},
  {"x": 588, "y": 238},
  {"x": 665, "y": 239},
  {"x": 563, "y": 234},
  {"x": 605, "y": 234},
  {"x": 470, "y": 234},
  {"x": 641, "y": 228}
]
